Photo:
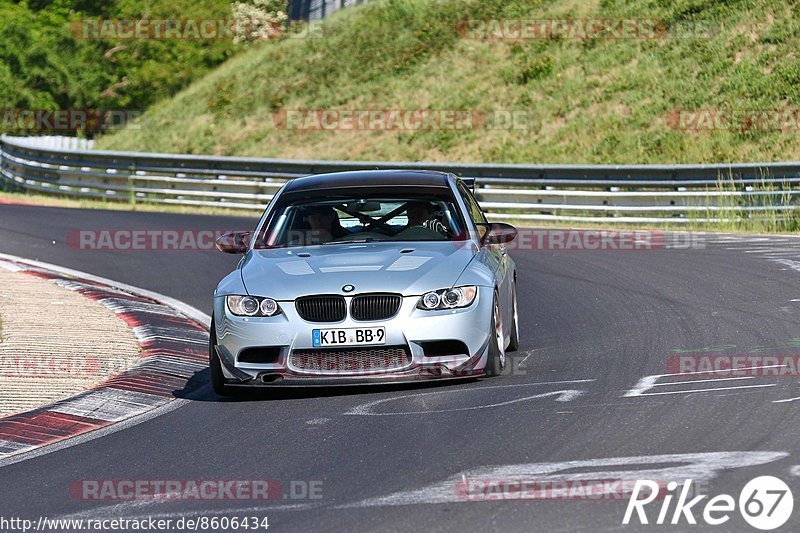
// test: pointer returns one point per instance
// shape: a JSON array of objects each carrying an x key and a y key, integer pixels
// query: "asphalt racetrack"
[{"x": 588, "y": 397}]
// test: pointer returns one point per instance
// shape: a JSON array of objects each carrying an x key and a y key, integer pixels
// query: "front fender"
[
  {"x": 477, "y": 273},
  {"x": 231, "y": 284}
]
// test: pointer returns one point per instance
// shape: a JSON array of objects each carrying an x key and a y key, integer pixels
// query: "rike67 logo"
[{"x": 766, "y": 503}]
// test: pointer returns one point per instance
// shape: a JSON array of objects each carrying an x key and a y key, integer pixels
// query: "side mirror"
[
  {"x": 499, "y": 233},
  {"x": 234, "y": 242}
]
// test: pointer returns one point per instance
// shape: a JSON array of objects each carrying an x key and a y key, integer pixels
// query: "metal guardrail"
[
  {"x": 595, "y": 193},
  {"x": 59, "y": 141}
]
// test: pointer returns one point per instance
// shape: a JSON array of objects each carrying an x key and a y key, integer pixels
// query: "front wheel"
[
  {"x": 496, "y": 361},
  {"x": 513, "y": 344}
]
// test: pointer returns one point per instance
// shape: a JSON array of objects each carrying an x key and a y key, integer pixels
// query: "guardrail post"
[
  {"x": 2, "y": 166},
  {"x": 132, "y": 182}
]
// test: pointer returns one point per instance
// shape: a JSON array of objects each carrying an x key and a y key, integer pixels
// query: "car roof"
[{"x": 369, "y": 178}]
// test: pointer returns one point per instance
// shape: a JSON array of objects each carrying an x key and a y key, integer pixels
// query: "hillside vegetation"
[
  {"x": 593, "y": 100},
  {"x": 44, "y": 65}
]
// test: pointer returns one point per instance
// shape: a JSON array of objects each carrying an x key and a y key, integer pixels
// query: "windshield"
[{"x": 365, "y": 217}]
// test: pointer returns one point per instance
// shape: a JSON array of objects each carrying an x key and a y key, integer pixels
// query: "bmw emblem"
[{"x": 348, "y": 288}]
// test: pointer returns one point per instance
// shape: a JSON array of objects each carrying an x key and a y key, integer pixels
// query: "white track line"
[
  {"x": 648, "y": 382},
  {"x": 697, "y": 381},
  {"x": 365, "y": 409},
  {"x": 566, "y": 395},
  {"x": 718, "y": 371},
  {"x": 714, "y": 389},
  {"x": 787, "y": 400}
]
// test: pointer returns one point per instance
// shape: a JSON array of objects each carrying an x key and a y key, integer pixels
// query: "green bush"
[{"x": 45, "y": 66}]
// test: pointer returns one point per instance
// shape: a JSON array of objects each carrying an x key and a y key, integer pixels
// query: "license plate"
[{"x": 349, "y": 337}]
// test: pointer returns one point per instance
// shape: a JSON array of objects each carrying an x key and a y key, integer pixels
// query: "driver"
[
  {"x": 324, "y": 223},
  {"x": 423, "y": 215},
  {"x": 419, "y": 214},
  {"x": 422, "y": 222}
]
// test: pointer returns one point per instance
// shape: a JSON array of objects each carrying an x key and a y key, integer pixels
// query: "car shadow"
[{"x": 198, "y": 389}]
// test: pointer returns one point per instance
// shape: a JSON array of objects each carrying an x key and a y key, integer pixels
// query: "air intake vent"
[
  {"x": 444, "y": 348},
  {"x": 351, "y": 360},
  {"x": 321, "y": 308},
  {"x": 375, "y": 306},
  {"x": 262, "y": 355}
]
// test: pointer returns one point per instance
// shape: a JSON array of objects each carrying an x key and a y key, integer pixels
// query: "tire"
[
  {"x": 513, "y": 344},
  {"x": 218, "y": 381},
  {"x": 496, "y": 360}
]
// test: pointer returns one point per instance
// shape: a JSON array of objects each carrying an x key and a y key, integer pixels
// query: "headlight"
[
  {"x": 448, "y": 298},
  {"x": 252, "y": 306}
]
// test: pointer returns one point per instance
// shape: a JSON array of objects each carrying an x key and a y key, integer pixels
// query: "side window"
[{"x": 475, "y": 212}]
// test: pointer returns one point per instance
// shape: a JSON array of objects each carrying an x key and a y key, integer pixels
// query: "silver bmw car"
[{"x": 365, "y": 277}]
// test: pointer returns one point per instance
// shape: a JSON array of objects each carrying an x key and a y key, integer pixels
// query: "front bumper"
[{"x": 410, "y": 329}]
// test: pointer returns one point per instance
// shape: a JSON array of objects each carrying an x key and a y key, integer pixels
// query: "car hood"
[{"x": 411, "y": 269}]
